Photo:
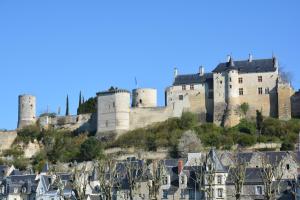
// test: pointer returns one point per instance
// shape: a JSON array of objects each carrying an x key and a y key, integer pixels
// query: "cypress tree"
[
  {"x": 80, "y": 99},
  {"x": 67, "y": 106}
]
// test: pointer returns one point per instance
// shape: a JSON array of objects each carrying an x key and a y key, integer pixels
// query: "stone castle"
[{"x": 215, "y": 97}]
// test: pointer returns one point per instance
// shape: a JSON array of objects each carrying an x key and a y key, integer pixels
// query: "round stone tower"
[
  {"x": 232, "y": 95},
  {"x": 113, "y": 111},
  {"x": 144, "y": 98},
  {"x": 27, "y": 110}
]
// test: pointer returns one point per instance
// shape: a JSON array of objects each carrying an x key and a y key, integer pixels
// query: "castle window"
[
  {"x": 240, "y": 80},
  {"x": 241, "y": 91},
  {"x": 184, "y": 87},
  {"x": 288, "y": 167},
  {"x": 114, "y": 104},
  {"x": 259, "y": 78},
  {"x": 192, "y": 87},
  {"x": 267, "y": 91},
  {"x": 106, "y": 123},
  {"x": 221, "y": 82},
  {"x": 165, "y": 180},
  {"x": 165, "y": 194},
  {"x": 260, "y": 90},
  {"x": 230, "y": 86},
  {"x": 219, "y": 180},
  {"x": 229, "y": 79},
  {"x": 181, "y": 97},
  {"x": 220, "y": 192},
  {"x": 258, "y": 190}
]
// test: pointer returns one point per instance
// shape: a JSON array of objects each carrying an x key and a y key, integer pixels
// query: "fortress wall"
[
  {"x": 189, "y": 100},
  {"x": 82, "y": 122},
  {"x": 219, "y": 97},
  {"x": 6, "y": 139},
  {"x": 296, "y": 104},
  {"x": 284, "y": 101},
  {"x": 142, "y": 117}
]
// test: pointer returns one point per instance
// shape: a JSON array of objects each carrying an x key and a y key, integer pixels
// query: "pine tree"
[{"x": 67, "y": 106}]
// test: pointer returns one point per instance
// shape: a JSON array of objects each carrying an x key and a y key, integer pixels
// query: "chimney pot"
[
  {"x": 250, "y": 57},
  {"x": 228, "y": 58},
  {"x": 201, "y": 70},
  {"x": 175, "y": 72}
]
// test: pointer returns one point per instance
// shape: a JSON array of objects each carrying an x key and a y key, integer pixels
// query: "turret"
[{"x": 27, "y": 110}]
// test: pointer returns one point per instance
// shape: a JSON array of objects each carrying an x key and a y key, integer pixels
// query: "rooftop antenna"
[
  {"x": 136, "y": 82},
  {"x": 58, "y": 110}
]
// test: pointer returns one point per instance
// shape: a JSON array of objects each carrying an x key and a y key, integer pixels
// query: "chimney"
[
  {"x": 228, "y": 58},
  {"x": 201, "y": 70},
  {"x": 175, "y": 72},
  {"x": 250, "y": 57},
  {"x": 180, "y": 166}
]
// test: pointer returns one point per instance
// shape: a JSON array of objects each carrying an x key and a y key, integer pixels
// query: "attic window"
[{"x": 165, "y": 180}]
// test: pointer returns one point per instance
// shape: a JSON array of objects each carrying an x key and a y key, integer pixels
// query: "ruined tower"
[
  {"x": 144, "y": 98},
  {"x": 27, "y": 110}
]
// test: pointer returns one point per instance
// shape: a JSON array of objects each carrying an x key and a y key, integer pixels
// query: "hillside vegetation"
[
  {"x": 246, "y": 133},
  {"x": 66, "y": 146}
]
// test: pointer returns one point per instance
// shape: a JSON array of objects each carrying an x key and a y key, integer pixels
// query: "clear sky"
[{"x": 59, "y": 47}]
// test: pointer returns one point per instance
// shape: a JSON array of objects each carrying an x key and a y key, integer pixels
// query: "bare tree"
[
  {"x": 80, "y": 181},
  {"x": 158, "y": 173},
  {"x": 108, "y": 177},
  {"x": 134, "y": 170},
  {"x": 238, "y": 174},
  {"x": 209, "y": 181},
  {"x": 271, "y": 174}
]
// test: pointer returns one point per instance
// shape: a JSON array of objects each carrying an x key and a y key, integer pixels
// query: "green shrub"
[
  {"x": 188, "y": 120},
  {"x": 246, "y": 140},
  {"x": 91, "y": 149},
  {"x": 287, "y": 146},
  {"x": 246, "y": 126}
]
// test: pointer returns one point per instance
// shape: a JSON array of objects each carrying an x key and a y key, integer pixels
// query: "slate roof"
[
  {"x": 244, "y": 66},
  {"x": 3, "y": 169},
  {"x": 253, "y": 176},
  {"x": 188, "y": 79},
  {"x": 218, "y": 166}
]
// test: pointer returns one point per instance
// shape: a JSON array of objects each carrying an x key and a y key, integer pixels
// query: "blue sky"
[{"x": 54, "y": 48}]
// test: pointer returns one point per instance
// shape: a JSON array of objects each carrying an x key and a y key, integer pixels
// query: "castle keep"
[{"x": 214, "y": 96}]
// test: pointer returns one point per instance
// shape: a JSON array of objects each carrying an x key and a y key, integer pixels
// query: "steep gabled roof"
[
  {"x": 213, "y": 158},
  {"x": 244, "y": 66},
  {"x": 188, "y": 79}
]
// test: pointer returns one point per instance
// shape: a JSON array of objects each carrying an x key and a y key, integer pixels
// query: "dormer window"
[
  {"x": 24, "y": 190},
  {"x": 182, "y": 180},
  {"x": 165, "y": 180}
]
